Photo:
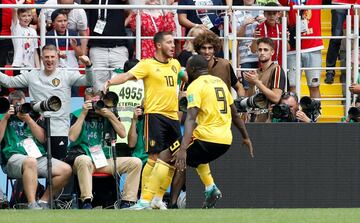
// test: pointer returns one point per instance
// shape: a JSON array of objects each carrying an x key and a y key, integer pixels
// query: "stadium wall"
[{"x": 295, "y": 166}]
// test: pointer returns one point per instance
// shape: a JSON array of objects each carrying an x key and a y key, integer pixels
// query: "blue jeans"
[
  {"x": 338, "y": 17},
  {"x": 247, "y": 65}
]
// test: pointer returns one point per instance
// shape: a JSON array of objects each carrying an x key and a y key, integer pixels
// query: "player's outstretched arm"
[
  {"x": 190, "y": 124},
  {"x": 119, "y": 79},
  {"x": 242, "y": 128}
]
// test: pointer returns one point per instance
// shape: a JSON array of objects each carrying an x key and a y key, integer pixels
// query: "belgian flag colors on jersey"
[
  {"x": 160, "y": 84},
  {"x": 211, "y": 95}
]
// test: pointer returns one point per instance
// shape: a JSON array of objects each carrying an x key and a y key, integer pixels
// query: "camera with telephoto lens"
[
  {"x": 51, "y": 104},
  {"x": 283, "y": 113},
  {"x": 243, "y": 104},
  {"x": 108, "y": 100},
  {"x": 97, "y": 104},
  {"x": 22, "y": 108},
  {"x": 354, "y": 114},
  {"x": 310, "y": 107}
]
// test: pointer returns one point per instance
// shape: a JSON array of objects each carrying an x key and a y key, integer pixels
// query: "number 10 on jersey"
[{"x": 169, "y": 81}]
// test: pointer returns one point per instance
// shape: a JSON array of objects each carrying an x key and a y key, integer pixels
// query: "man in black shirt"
[{"x": 105, "y": 53}]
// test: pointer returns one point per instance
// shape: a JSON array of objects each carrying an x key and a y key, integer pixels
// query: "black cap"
[{"x": 56, "y": 13}]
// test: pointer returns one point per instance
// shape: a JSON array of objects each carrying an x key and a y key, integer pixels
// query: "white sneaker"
[
  {"x": 140, "y": 205},
  {"x": 158, "y": 204}
]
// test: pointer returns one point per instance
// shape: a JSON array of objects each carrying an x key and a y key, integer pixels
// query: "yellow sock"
[
  {"x": 156, "y": 178},
  {"x": 149, "y": 166},
  {"x": 165, "y": 184},
  {"x": 205, "y": 174}
]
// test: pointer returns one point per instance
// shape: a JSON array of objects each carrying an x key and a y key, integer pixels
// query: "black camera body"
[
  {"x": 283, "y": 113},
  {"x": 354, "y": 114},
  {"x": 108, "y": 100},
  {"x": 140, "y": 117},
  {"x": 183, "y": 103},
  {"x": 310, "y": 107},
  {"x": 97, "y": 104},
  {"x": 23, "y": 108}
]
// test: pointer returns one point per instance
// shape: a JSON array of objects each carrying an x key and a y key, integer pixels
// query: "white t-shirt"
[
  {"x": 24, "y": 48},
  {"x": 77, "y": 19}
]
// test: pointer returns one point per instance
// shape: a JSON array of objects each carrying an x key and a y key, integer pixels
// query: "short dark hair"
[
  {"x": 197, "y": 62},
  {"x": 289, "y": 94},
  {"x": 19, "y": 11},
  {"x": 159, "y": 36},
  {"x": 58, "y": 12},
  {"x": 207, "y": 37},
  {"x": 49, "y": 47},
  {"x": 16, "y": 95},
  {"x": 130, "y": 64},
  {"x": 266, "y": 41}
]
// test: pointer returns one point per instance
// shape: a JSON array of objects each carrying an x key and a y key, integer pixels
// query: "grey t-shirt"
[{"x": 41, "y": 87}]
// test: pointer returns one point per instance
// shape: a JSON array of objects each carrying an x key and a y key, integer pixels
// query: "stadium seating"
[{"x": 332, "y": 111}]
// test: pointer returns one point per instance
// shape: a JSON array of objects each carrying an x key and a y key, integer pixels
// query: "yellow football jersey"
[
  {"x": 211, "y": 95},
  {"x": 160, "y": 84}
]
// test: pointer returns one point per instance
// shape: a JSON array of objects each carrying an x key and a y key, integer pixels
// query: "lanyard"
[
  {"x": 105, "y": 10},
  {"x": 154, "y": 23},
  {"x": 277, "y": 36},
  {"x": 66, "y": 44}
]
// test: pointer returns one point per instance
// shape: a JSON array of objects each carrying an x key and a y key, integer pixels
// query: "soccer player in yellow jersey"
[
  {"x": 162, "y": 128},
  {"x": 207, "y": 133}
]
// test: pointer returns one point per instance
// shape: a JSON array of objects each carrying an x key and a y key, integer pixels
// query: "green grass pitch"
[{"x": 319, "y": 215}]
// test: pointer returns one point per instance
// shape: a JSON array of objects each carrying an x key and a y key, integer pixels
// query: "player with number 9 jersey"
[{"x": 211, "y": 95}]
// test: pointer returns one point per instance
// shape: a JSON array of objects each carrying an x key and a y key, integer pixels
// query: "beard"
[
  {"x": 167, "y": 54},
  {"x": 264, "y": 60}
]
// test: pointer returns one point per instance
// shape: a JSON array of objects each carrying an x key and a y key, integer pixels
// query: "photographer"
[
  {"x": 24, "y": 155},
  {"x": 353, "y": 113},
  {"x": 136, "y": 135},
  {"x": 269, "y": 79},
  {"x": 93, "y": 154},
  {"x": 288, "y": 110}
]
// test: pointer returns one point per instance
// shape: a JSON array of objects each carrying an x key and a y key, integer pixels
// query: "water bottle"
[{"x": 74, "y": 202}]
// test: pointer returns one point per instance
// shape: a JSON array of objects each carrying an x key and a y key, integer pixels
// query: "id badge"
[
  {"x": 98, "y": 156},
  {"x": 100, "y": 26},
  {"x": 206, "y": 21},
  {"x": 304, "y": 26},
  {"x": 31, "y": 148}
]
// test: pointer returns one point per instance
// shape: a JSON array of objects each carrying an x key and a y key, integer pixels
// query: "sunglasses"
[{"x": 288, "y": 94}]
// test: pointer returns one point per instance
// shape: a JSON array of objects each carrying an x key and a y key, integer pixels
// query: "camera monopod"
[
  {"x": 111, "y": 100},
  {"x": 51, "y": 104},
  {"x": 117, "y": 178}
]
